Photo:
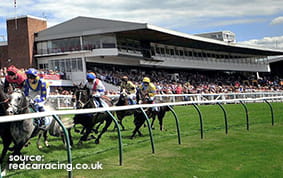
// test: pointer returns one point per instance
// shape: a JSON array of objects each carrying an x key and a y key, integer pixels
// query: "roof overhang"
[
  {"x": 81, "y": 26},
  {"x": 170, "y": 37}
]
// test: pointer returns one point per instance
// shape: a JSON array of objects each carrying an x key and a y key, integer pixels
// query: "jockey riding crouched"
[
  {"x": 148, "y": 89},
  {"x": 128, "y": 87},
  {"x": 14, "y": 77},
  {"x": 38, "y": 91},
  {"x": 97, "y": 88}
]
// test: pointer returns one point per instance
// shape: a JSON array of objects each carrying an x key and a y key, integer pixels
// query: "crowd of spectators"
[
  {"x": 177, "y": 82},
  {"x": 194, "y": 82}
]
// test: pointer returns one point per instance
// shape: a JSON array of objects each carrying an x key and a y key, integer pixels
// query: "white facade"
[{"x": 69, "y": 46}]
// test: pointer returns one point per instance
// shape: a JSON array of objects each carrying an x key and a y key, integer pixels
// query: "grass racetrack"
[{"x": 241, "y": 153}]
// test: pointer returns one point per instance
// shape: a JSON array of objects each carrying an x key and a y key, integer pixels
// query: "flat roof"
[
  {"x": 25, "y": 16},
  {"x": 81, "y": 26},
  {"x": 3, "y": 43}
]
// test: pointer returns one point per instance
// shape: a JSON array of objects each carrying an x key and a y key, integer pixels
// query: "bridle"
[
  {"x": 18, "y": 109},
  {"x": 80, "y": 101}
]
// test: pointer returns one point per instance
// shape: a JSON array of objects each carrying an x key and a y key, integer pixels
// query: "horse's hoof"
[
  {"x": 4, "y": 173},
  {"x": 46, "y": 144},
  {"x": 96, "y": 141}
]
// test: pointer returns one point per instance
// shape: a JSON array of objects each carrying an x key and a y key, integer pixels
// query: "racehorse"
[
  {"x": 84, "y": 99},
  {"x": 139, "y": 117},
  {"x": 22, "y": 131},
  {"x": 123, "y": 101},
  {"x": 4, "y": 127}
]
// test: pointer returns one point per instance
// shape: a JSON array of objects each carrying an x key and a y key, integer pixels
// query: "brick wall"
[{"x": 21, "y": 41}]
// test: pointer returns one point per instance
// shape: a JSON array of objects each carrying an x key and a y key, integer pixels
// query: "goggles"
[
  {"x": 10, "y": 73},
  {"x": 29, "y": 76}
]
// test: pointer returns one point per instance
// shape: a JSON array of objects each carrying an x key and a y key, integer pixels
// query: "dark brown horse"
[
  {"x": 84, "y": 100},
  {"x": 150, "y": 112},
  {"x": 123, "y": 101},
  {"x": 4, "y": 127}
]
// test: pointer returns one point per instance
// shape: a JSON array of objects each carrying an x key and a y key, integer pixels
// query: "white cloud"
[
  {"x": 277, "y": 20},
  {"x": 180, "y": 15},
  {"x": 155, "y": 12},
  {"x": 268, "y": 42}
]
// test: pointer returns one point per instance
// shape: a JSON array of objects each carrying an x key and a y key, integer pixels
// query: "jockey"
[
  {"x": 129, "y": 88},
  {"x": 37, "y": 89},
  {"x": 15, "y": 77},
  {"x": 96, "y": 86},
  {"x": 148, "y": 89}
]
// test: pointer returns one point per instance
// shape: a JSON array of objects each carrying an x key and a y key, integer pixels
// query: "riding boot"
[
  {"x": 41, "y": 123},
  {"x": 99, "y": 102}
]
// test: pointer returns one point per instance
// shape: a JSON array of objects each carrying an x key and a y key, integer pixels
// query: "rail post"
[
  {"x": 247, "y": 114},
  {"x": 149, "y": 129},
  {"x": 177, "y": 123},
  {"x": 271, "y": 110},
  {"x": 200, "y": 120},
  {"x": 225, "y": 117},
  {"x": 119, "y": 137},
  {"x": 67, "y": 138}
]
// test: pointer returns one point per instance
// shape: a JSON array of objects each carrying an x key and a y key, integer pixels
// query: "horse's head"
[
  {"x": 18, "y": 102},
  {"x": 144, "y": 97},
  {"x": 4, "y": 100},
  {"x": 82, "y": 97},
  {"x": 123, "y": 99}
]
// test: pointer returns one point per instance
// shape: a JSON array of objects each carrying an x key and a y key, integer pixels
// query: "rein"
[
  {"x": 82, "y": 103},
  {"x": 19, "y": 107},
  {"x": 5, "y": 101}
]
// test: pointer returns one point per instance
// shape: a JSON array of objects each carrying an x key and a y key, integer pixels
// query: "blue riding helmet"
[
  {"x": 90, "y": 76},
  {"x": 32, "y": 71}
]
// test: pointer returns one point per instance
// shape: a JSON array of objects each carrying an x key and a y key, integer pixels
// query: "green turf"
[{"x": 241, "y": 153}]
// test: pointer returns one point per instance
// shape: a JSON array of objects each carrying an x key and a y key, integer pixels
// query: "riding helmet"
[
  {"x": 146, "y": 79},
  {"x": 90, "y": 76},
  {"x": 32, "y": 71}
]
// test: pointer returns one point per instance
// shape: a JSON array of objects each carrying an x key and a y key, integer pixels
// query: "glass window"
[
  {"x": 68, "y": 65},
  {"x": 62, "y": 65},
  {"x": 80, "y": 64},
  {"x": 167, "y": 51},
  {"x": 172, "y": 52},
  {"x": 74, "y": 65}
]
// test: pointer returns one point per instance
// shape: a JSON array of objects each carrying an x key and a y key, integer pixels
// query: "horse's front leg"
[
  {"x": 152, "y": 122},
  {"x": 107, "y": 124},
  {"x": 45, "y": 138},
  {"x": 6, "y": 144},
  {"x": 120, "y": 116},
  {"x": 138, "y": 121},
  {"x": 39, "y": 146},
  {"x": 85, "y": 135}
]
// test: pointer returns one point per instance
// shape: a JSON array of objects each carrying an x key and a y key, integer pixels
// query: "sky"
[{"x": 255, "y": 22}]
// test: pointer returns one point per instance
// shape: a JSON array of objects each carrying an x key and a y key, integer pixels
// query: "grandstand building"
[{"x": 75, "y": 45}]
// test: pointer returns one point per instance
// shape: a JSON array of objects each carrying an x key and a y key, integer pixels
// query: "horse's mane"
[
  {"x": 25, "y": 102},
  {"x": 3, "y": 95},
  {"x": 3, "y": 100},
  {"x": 122, "y": 100}
]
